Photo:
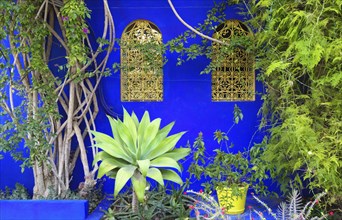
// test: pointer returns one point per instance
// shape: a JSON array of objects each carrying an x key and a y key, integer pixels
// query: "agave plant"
[{"x": 139, "y": 150}]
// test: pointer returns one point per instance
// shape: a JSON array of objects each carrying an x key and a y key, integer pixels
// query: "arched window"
[
  {"x": 141, "y": 62},
  {"x": 233, "y": 78}
]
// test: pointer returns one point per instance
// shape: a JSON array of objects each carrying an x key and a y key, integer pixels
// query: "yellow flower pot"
[{"x": 232, "y": 204}]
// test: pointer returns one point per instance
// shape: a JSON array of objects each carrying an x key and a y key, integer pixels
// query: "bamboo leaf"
[{"x": 278, "y": 65}]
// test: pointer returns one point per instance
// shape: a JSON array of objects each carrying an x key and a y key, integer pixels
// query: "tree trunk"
[{"x": 43, "y": 181}]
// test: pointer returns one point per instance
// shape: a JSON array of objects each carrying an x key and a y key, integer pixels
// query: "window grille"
[
  {"x": 141, "y": 62},
  {"x": 233, "y": 78}
]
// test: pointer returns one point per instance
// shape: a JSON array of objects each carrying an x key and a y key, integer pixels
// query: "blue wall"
[{"x": 187, "y": 94}]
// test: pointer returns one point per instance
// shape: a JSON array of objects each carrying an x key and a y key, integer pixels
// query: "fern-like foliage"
[
  {"x": 295, "y": 204},
  {"x": 282, "y": 211},
  {"x": 293, "y": 208}
]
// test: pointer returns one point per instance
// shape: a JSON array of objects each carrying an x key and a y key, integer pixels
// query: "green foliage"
[
  {"x": 189, "y": 49},
  {"x": 226, "y": 168},
  {"x": 74, "y": 13},
  {"x": 150, "y": 56},
  {"x": 18, "y": 25},
  {"x": 158, "y": 204},
  {"x": 94, "y": 195},
  {"x": 19, "y": 193},
  {"x": 298, "y": 46},
  {"x": 39, "y": 110},
  {"x": 139, "y": 150}
]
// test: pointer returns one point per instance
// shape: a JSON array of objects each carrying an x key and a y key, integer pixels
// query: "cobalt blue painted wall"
[
  {"x": 187, "y": 94},
  {"x": 43, "y": 209}
]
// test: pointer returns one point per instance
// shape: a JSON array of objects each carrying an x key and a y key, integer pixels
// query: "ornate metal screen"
[
  {"x": 141, "y": 62},
  {"x": 233, "y": 78}
]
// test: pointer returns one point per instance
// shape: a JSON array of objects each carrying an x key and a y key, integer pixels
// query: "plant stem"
[{"x": 134, "y": 202}]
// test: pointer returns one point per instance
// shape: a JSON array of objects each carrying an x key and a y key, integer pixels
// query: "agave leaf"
[
  {"x": 125, "y": 173},
  {"x": 113, "y": 124},
  {"x": 136, "y": 120},
  {"x": 129, "y": 122},
  {"x": 99, "y": 156},
  {"x": 144, "y": 165},
  {"x": 142, "y": 126},
  {"x": 139, "y": 186},
  {"x": 162, "y": 134},
  {"x": 171, "y": 176},
  {"x": 112, "y": 173},
  {"x": 117, "y": 152},
  {"x": 126, "y": 137},
  {"x": 178, "y": 153},
  {"x": 110, "y": 146},
  {"x": 105, "y": 167},
  {"x": 165, "y": 145},
  {"x": 165, "y": 162},
  {"x": 155, "y": 174},
  {"x": 104, "y": 156},
  {"x": 150, "y": 133}
]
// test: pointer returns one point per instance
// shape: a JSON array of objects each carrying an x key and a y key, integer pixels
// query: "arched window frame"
[
  {"x": 233, "y": 78},
  {"x": 141, "y": 75}
]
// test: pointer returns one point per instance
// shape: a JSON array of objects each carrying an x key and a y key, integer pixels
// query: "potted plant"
[{"x": 230, "y": 174}]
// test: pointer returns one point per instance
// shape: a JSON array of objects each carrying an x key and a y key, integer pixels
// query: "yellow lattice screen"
[
  {"x": 233, "y": 79},
  {"x": 141, "y": 62}
]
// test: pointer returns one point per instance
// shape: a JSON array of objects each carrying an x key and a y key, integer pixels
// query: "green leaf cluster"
[
  {"x": 18, "y": 193},
  {"x": 226, "y": 168},
  {"x": 149, "y": 56},
  {"x": 160, "y": 204},
  {"x": 74, "y": 13},
  {"x": 27, "y": 120},
  {"x": 137, "y": 150},
  {"x": 190, "y": 46},
  {"x": 298, "y": 48}
]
